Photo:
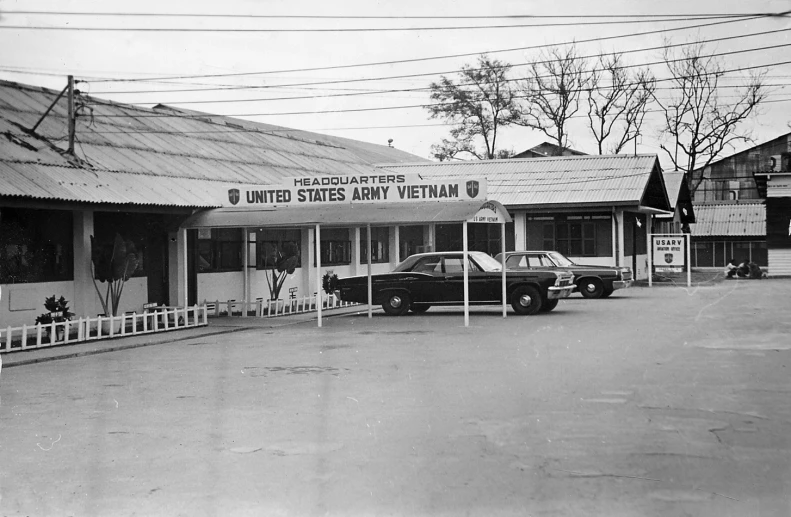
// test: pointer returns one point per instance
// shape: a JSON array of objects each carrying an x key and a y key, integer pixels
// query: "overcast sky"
[{"x": 268, "y": 48}]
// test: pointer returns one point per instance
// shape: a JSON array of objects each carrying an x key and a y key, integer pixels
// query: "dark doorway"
[{"x": 158, "y": 274}]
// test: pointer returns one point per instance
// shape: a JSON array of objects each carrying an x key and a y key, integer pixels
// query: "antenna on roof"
[{"x": 389, "y": 142}]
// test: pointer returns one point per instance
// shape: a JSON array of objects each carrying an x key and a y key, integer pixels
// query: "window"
[
  {"x": 275, "y": 244},
  {"x": 411, "y": 240},
  {"x": 336, "y": 248},
  {"x": 380, "y": 244},
  {"x": 220, "y": 249},
  {"x": 576, "y": 236},
  {"x": 35, "y": 245},
  {"x": 135, "y": 228}
]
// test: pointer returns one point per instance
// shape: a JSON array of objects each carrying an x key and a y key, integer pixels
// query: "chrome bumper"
[
  {"x": 555, "y": 292},
  {"x": 621, "y": 284}
]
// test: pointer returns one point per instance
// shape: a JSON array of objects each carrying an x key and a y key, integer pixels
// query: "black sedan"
[
  {"x": 591, "y": 281},
  {"x": 428, "y": 279}
]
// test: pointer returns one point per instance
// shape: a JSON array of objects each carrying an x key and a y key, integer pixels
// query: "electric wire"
[{"x": 452, "y": 56}]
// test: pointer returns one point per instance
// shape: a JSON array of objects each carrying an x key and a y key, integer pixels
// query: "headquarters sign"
[{"x": 350, "y": 189}]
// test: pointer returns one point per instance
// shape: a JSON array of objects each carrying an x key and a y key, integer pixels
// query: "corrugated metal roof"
[
  {"x": 157, "y": 156},
  {"x": 731, "y": 220},
  {"x": 673, "y": 180},
  {"x": 617, "y": 179}
]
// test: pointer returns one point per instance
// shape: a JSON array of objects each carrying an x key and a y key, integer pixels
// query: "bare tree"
[
  {"x": 698, "y": 124},
  {"x": 551, "y": 92},
  {"x": 479, "y": 103},
  {"x": 617, "y": 102}
]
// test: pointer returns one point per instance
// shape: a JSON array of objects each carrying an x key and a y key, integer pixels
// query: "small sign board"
[
  {"x": 56, "y": 314},
  {"x": 149, "y": 305},
  {"x": 292, "y": 292},
  {"x": 669, "y": 252}
]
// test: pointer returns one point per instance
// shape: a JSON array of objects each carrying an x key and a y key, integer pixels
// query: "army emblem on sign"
[
  {"x": 669, "y": 258},
  {"x": 233, "y": 195},
  {"x": 472, "y": 188}
]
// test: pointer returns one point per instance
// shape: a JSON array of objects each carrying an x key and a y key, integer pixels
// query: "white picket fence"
[
  {"x": 272, "y": 308},
  {"x": 158, "y": 319}
]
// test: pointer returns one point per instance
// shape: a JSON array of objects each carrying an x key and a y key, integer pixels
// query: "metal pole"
[
  {"x": 465, "y": 264},
  {"x": 318, "y": 270},
  {"x": 689, "y": 264},
  {"x": 71, "y": 114},
  {"x": 650, "y": 260},
  {"x": 502, "y": 239},
  {"x": 370, "y": 288}
]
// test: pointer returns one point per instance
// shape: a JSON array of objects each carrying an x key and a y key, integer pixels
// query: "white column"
[
  {"x": 520, "y": 231},
  {"x": 177, "y": 272},
  {"x": 430, "y": 237},
  {"x": 465, "y": 264},
  {"x": 84, "y": 292},
  {"x": 354, "y": 235},
  {"x": 370, "y": 280},
  {"x": 619, "y": 242},
  {"x": 245, "y": 268},
  {"x": 318, "y": 271},
  {"x": 395, "y": 247},
  {"x": 502, "y": 265}
]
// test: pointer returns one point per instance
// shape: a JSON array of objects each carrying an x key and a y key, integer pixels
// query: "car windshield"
[
  {"x": 560, "y": 260},
  {"x": 486, "y": 262}
]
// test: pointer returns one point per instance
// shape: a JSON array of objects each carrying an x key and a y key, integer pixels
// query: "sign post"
[{"x": 670, "y": 253}]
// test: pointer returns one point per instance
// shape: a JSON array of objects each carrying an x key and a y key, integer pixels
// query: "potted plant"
[
  {"x": 114, "y": 263},
  {"x": 283, "y": 263},
  {"x": 57, "y": 312}
]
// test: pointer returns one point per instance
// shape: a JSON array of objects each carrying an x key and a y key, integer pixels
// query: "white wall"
[{"x": 22, "y": 303}]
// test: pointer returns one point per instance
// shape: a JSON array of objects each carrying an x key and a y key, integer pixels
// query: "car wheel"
[
  {"x": 396, "y": 304},
  {"x": 591, "y": 287},
  {"x": 526, "y": 300},
  {"x": 607, "y": 292},
  {"x": 549, "y": 305},
  {"x": 419, "y": 309}
]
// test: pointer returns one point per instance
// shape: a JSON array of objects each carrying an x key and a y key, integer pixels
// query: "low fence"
[
  {"x": 156, "y": 319},
  {"x": 261, "y": 308}
]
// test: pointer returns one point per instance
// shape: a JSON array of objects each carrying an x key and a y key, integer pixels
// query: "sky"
[{"x": 253, "y": 57}]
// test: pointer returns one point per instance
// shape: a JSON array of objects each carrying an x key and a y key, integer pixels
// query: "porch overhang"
[{"x": 360, "y": 214}]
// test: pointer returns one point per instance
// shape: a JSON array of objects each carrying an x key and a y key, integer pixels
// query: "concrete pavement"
[{"x": 656, "y": 402}]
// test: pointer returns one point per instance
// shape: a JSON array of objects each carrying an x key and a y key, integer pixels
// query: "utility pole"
[{"x": 71, "y": 114}]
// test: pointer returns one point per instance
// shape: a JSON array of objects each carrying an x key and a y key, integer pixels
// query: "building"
[
  {"x": 595, "y": 209},
  {"x": 74, "y": 168},
  {"x": 140, "y": 173},
  {"x": 547, "y": 149},
  {"x": 729, "y": 195},
  {"x": 680, "y": 198}
]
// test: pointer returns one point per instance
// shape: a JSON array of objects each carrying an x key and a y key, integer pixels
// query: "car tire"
[
  {"x": 419, "y": 309},
  {"x": 396, "y": 304},
  {"x": 607, "y": 292},
  {"x": 526, "y": 300},
  {"x": 549, "y": 305},
  {"x": 591, "y": 287}
]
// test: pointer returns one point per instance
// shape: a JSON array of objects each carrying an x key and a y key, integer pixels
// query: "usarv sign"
[{"x": 349, "y": 189}]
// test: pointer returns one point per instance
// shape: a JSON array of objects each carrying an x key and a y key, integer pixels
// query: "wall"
[{"x": 22, "y": 303}]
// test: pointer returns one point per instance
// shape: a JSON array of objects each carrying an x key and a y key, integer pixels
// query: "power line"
[
  {"x": 412, "y": 76},
  {"x": 382, "y": 17},
  {"x": 354, "y": 29},
  {"x": 433, "y": 58},
  {"x": 405, "y": 90}
]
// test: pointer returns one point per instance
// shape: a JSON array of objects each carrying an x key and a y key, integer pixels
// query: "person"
[
  {"x": 730, "y": 269},
  {"x": 743, "y": 271}
]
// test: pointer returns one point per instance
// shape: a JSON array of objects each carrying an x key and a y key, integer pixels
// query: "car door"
[
  {"x": 427, "y": 287},
  {"x": 480, "y": 286}
]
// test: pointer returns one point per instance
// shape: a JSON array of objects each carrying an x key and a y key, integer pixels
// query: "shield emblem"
[
  {"x": 669, "y": 258},
  {"x": 233, "y": 195},
  {"x": 472, "y": 188}
]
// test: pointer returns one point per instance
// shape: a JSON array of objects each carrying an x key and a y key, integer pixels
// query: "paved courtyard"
[{"x": 657, "y": 402}]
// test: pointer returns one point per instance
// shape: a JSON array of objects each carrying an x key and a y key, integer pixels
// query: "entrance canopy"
[
  {"x": 360, "y": 214},
  {"x": 362, "y": 200}
]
